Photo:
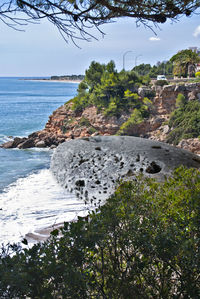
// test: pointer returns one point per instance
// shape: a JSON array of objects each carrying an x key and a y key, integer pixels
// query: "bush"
[
  {"x": 185, "y": 122},
  {"x": 161, "y": 82},
  {"x": 180, "y": 100},
  {"x": 112, "y": 108},
  {"x": 92, "y": 130},
  {"x": 84, "y": 122},
  {"x": 135, "y": 119},
  {"x": 79, "y": 103},
  {"x": 197, "y": 74},
  {"x": 143, "y": 243}
]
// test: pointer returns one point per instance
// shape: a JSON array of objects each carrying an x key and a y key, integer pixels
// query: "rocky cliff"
[{"x": 64, "y": 124}]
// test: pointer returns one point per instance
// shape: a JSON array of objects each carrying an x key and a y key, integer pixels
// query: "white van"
[{"x": 161, "y": 77}]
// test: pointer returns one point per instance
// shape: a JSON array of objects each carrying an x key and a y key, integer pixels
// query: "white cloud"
[
  {"x": 197, "y": 31},
  {"x": 154, "y": 39}
]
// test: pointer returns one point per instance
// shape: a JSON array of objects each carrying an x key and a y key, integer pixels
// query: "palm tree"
[{"x": 185, "y": 63}]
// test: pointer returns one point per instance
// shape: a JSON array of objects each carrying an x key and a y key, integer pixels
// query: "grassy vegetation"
[{"x": 143, "y": 243}]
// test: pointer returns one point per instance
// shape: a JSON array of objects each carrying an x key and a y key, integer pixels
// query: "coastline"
[{"x": 57, "y": 81}]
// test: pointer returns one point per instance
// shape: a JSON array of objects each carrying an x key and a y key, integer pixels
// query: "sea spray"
[{"x": 33, "y": 203}]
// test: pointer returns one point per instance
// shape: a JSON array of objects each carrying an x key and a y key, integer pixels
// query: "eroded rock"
[{"x": 91, "y": 167}]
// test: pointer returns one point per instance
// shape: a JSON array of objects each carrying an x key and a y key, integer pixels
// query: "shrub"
[
  {"x": 84, "y": 122},
  {"x": 92, "y": 130},
  {"x": 143, "y": 243},
  {"x": 112, "y": 108},
  {"x": 80, "y": 103},
  {"x": 161, "y": 82},
  {"x": 197, "y": 74},
  {"x": 135, "y": 118},
  {"x": 184, "y": 122},
  {"x": 180, "y": 100}
]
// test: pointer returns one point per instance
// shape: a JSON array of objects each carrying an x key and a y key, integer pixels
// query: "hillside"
[{"x": 111, "y": 103}]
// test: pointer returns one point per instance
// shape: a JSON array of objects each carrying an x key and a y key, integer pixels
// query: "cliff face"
[
  {"x": 64, "y": 124},
  {"x": 164, "y": 104}
]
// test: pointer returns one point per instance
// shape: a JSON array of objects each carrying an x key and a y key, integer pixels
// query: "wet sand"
[{"x": 42, "y": 234}]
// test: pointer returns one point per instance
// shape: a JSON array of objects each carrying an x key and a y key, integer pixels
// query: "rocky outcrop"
[
  {"x": 90, "y": 167},
  {"x": 192, "y": 145},
  {"x": 64, "y": 124},
  {"x": 165, "y": 98}
]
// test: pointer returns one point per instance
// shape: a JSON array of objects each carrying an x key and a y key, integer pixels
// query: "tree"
[
  {"x": 164, "y": 67},
  {"x": 70, "y": 16},
  {"x": 143, "y": 243},
  {"x": 110, "y": 91},
  {"x": 184, "y": 63}
]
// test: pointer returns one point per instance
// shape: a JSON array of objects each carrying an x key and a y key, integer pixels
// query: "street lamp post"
[
  {"x": 124, "y": 55},
  {"x": 136, "y": 59}
]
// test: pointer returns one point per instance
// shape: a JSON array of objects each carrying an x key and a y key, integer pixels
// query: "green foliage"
[
  {"x": 91, "y": 130},
  {"x": 84, "y": 122},
  {"x": 112, "y": 108},
  {"x": 108, "y": 90},
  {"x": 94, "y": 73},
  {"x": 135, "y": 119},
  {"x": 147, "y": 102},
  {"x": 185, "y": 122},
  {"x": 180, "y": 100},
  {"x": 184, "y": 63},
  {"x": 80, "y": 102},
  {"x": 197, "y": 74},
  {"x": 165, "y": 67},
  {"x": 161, "y": 82},
  {"x": 143, "y": 243},
  {"x": 146, "y": 80}
]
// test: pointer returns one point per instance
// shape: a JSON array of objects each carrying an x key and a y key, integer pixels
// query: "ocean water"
[{"x": 30, "y": 198}]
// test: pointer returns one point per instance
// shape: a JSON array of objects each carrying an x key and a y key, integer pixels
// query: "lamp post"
[
  {"x": 136, "y": 59},
  {"x": 124, "y": 55}
]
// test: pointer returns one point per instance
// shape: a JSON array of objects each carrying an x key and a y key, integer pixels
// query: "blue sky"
[{"x": 41, "y": 51}]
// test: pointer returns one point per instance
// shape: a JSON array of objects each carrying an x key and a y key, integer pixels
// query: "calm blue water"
[
  {"x": 29, "y": 196},
  {"x": 24, "y": 108}
]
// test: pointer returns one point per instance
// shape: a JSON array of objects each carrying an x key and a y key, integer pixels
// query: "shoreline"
[{"x": 50, "y": 80}]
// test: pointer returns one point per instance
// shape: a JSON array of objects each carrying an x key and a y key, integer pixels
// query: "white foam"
[
  {"x": 4, "y": 138},
  {"x": 33, "y": 203}
]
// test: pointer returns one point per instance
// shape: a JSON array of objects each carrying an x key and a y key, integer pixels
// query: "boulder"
[
  {"x": 40, "y": 143},
  {"x": 27, "y": 144},
  {"x": 8, "y": 144},
  {"x": 91, "y": 167},
  {"x": 14, "y": 143}
]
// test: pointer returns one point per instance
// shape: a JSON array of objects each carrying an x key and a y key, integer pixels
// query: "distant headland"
[{"x": 64, "y": 78}]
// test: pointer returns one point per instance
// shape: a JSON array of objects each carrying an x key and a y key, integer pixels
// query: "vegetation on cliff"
[
  {"x": 184, "y": 63},
  {"x": 110, "y": 91},
  {"x": 164, "y": 67},
  {"x": 184, "y": 121},
  {"x": 143, "y": 243}
]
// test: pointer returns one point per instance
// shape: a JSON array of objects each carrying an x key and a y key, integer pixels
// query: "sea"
[{"x": 30, "y": 197}]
